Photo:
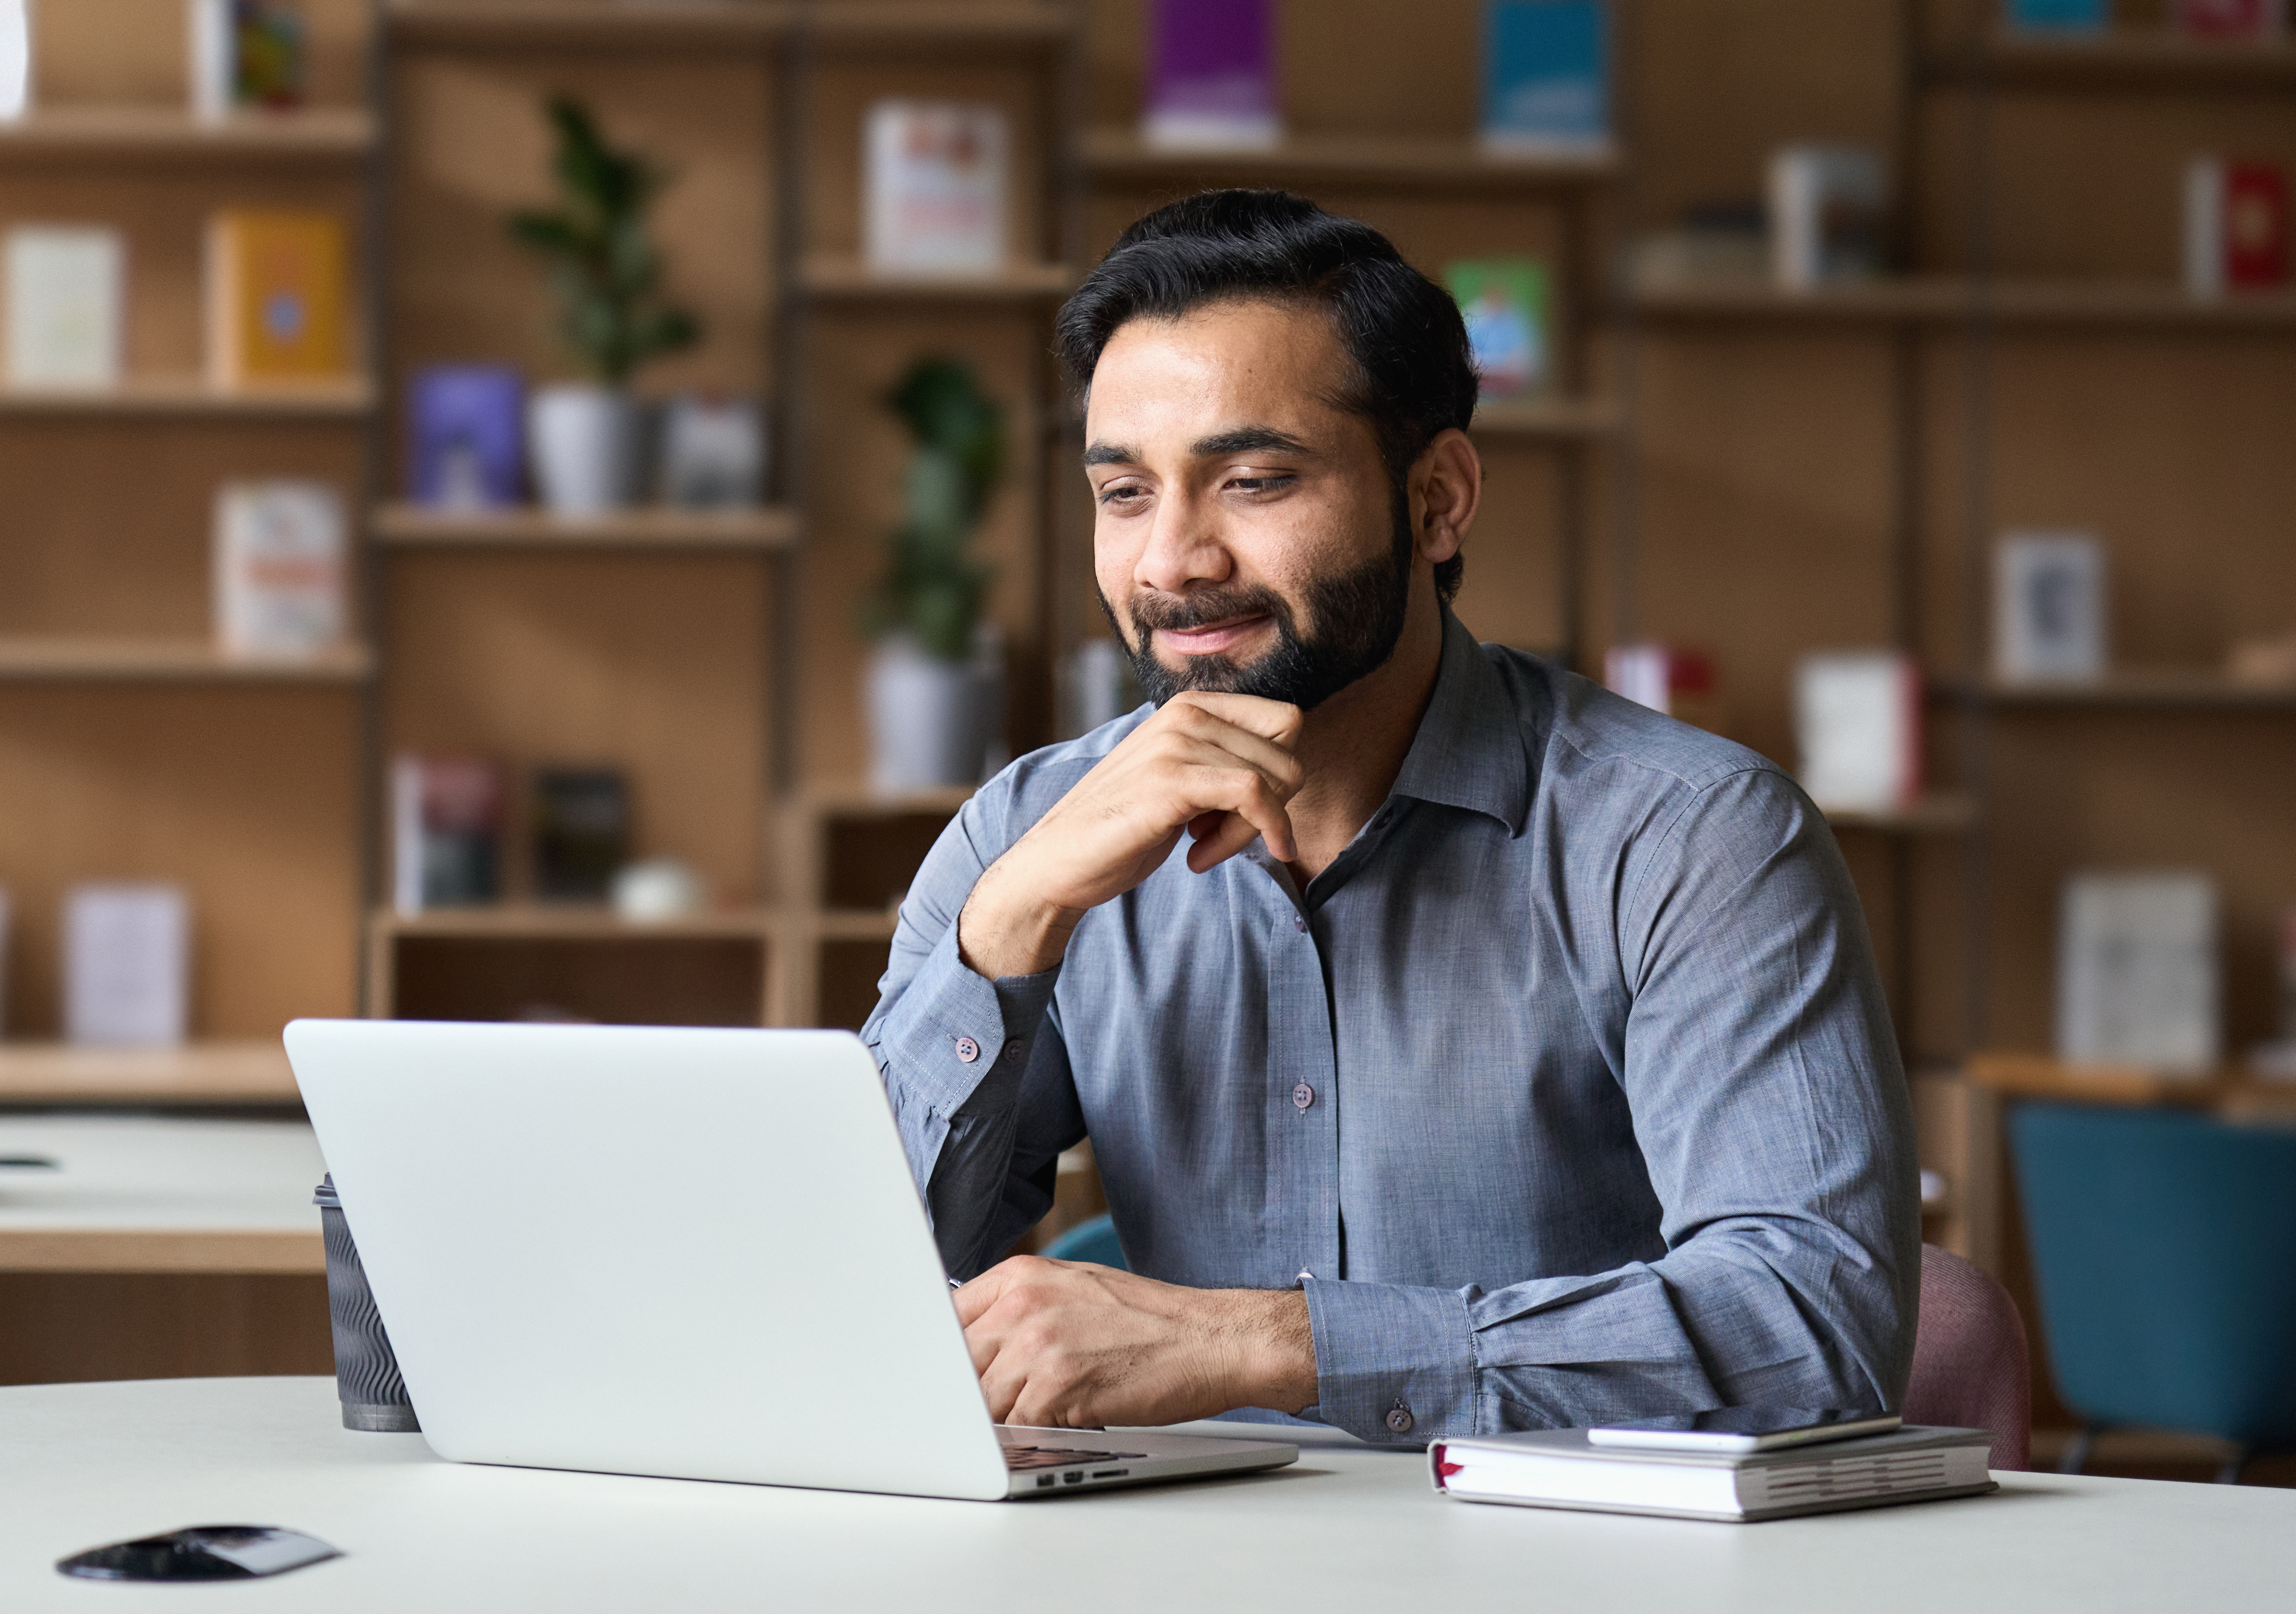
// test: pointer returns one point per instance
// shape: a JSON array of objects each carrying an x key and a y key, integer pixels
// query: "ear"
[{"x": 1447, "y": 488}]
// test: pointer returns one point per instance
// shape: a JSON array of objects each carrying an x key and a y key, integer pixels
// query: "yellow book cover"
[{"x": 278, "y": 297}]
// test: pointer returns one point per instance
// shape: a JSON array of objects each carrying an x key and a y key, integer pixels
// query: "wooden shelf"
[
  {"x": 189, "y": 397},
  {"x": 1943, "y": 813},
  {"x": 756, "y": 531},
  {"x": 847, "y": 925},
  {"x": 2121, "y": 59},
  {"x": 172, "y": 134},
  {"x": 571, "y": 922},
  {"x": 859, "y": 801},
  {"x": 80, "y": 658},
  {"x": 2166, "y": 690},
  {"x": 885, "y": 24},
  {"x": 849, "y": 279},
  {"x": 1365, "y": 160},
  {"x": 592, "y": 25},
  {"x": 2233, "y": 1090},
  {"x": 1951, "y": 298},
  {"x": 198, "y": 1074},
  {"x": 1548, "y": 419}
]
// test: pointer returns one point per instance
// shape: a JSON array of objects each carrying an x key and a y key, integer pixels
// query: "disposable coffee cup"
[{"x": 366, "y": 1373}]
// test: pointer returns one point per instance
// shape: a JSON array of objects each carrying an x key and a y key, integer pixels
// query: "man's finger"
[{"x": 1276, "y": 721}]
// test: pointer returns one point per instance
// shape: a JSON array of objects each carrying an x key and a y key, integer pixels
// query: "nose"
[{"x": 1185, "y": 546}]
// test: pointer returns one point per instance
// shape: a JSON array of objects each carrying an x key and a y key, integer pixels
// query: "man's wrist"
[
  {"x": 1274, "y": 1350},
  {"x": 1001, "y": 932}
]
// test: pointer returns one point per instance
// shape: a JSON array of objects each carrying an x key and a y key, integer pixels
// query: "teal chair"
[
  {"x": 2164, "y": 1252},
  {"x": 1093, "y": 1240}
]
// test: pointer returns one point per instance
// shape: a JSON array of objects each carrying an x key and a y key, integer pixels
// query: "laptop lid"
[{"x": 649, "y": 1250}]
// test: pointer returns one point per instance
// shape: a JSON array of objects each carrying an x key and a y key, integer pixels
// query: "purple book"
[
  {"x": 1212, "y": 78},
  {"x": 466, "y": 437}
]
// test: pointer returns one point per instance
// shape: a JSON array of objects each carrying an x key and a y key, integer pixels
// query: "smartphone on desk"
[{"x": 1743, "y": 1429}]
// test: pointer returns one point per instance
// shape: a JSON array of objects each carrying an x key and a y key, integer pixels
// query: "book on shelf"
[
  {"x": 446, "y": 833},
  {"x": 2049, "y": 607},
  {"x": 1722, "y": 239},
  {"x": 2276, "y": 1059},
  {"x": 936, "y": 177},
  {"x": 6, "y": 915},
  {"x": 2235, "y": 226},
  {"x": 712, "y": 453},
  {"x": 278, "y": 294},
  {"x": 1212, "y": 76},
  {"x": 245, "y": 54},
  {"x": 15, "y": 59},
  {"x": 1829, "y": 215},
  {"x": 281, "y": 569},
  {"x": 1857, "y": 725},
  {"x": 466, "y": 437},
  {"x": 67, "y": 288},
  {"x": 2229, "y": 18},
  {"x": 2137, "y": 971},
  {"x": 1547, "y": 77},
  {"x": 1563, "y": 1468},
  {"x": 581, "y": 819},
  {"x": 2057, "y": 16},
  {"x": 1668, "y": 679},
  {"x": 127, "y": 965},
  {"x": 1506, "y": 304}
]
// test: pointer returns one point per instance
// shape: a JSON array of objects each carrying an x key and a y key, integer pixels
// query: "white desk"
[
  {"x": 1343, "y": 1530},
  {"x": 156, "y": 1194}
]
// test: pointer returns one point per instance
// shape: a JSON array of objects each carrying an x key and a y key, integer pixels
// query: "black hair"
[{"x": 1414, "y": 373}]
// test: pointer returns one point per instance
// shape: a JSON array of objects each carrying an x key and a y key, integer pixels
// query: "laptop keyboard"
[{"x": 1020, "y": 1459}]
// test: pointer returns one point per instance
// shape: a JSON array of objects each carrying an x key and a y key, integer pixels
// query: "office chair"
[
  {"x": 1093, "y": 1240},
  {"x": 2164, "y": 1252},
  {"x": 1971, "y": 1369}
]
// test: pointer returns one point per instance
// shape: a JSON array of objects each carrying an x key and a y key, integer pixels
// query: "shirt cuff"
[
  {"x": 1394, "y": 1364},
  {"x": 953, "y": 1029}
]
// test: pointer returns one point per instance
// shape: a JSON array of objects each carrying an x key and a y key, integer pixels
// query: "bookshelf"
[
  {"x": 245, "y": 1073},
  {"x": 660, "y": 529}
]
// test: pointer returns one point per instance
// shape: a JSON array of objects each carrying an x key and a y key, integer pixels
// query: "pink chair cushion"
[{"x": 1970, "y": 1364}]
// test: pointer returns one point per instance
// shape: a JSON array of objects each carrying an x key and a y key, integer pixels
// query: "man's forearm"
[
  {"x": 1005, "y": 932},
  {"x": 1275, "y": 1348}
]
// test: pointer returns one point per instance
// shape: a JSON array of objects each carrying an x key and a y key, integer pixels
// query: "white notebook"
[{"x": 1559, "y": 1468}]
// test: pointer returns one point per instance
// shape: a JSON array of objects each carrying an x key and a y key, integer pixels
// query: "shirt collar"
[{"x": 1468, "y": 751}]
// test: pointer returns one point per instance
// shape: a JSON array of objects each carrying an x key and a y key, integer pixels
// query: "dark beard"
[{"x": 1359, "y": 617}]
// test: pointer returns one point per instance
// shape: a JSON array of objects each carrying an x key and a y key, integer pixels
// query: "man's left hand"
[{"x": 1068, "y": 1345}]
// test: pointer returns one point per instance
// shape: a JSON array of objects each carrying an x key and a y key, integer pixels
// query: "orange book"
[{"x": 278, "y": 297}]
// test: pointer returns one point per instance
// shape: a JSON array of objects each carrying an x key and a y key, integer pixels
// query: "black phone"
[{"x": 201, "y": 1551}]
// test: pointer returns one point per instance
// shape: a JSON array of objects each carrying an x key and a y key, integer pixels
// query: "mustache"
[{"x": 1199, "y": 608}]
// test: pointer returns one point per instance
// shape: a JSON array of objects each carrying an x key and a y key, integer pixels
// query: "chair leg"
[
  {"x": 2228, "y": 1471},
  {"x": 2075, "y": 1457}
]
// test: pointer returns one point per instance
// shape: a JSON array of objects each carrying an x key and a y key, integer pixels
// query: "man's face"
[{"x": 1247, "y": 539}]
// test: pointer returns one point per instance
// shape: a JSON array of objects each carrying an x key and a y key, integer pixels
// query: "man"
[{"x": 1462, "y": 1047}]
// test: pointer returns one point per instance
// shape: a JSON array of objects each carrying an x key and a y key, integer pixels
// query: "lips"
[{"x": 1213, "y": 638}]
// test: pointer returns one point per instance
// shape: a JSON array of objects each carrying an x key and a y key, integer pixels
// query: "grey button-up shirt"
[{"x": 1567, "y": 1091}]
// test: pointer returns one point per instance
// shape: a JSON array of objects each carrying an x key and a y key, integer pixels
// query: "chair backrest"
[
  {"x": 2164, "y": 1257},
  {"x": 1970, "y": 1366},
  {"x": 1093, "y": 1240}
]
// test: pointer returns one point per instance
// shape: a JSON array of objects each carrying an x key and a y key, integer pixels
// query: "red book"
[
  {"x": 2255, "y": 225},
  {"x": 2231, "y": 18}
]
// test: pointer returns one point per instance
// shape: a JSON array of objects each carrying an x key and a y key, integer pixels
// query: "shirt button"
[
  {"x": 1013, "y": 1049},
  {"x": 967, "y": 1049},
  {"x": 1399, "y": 1420},
  {"x": 1303, "y": 1095},
  {"x": 1299, "y": 922},
  {"x": 1304, "y": 1275}
]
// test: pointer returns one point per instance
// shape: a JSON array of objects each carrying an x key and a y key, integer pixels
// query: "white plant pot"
[
  {"x": 932, "y": 723},
  {"x": 584, "y": 442}
]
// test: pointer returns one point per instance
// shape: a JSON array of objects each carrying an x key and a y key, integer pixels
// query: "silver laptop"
[{"x": 693, "y": 1253}]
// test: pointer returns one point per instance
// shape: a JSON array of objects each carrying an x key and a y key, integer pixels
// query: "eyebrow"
[{"x": 1244, "y": 439}]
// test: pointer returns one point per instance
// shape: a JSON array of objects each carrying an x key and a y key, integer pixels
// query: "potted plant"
[
  {"x": 607, "y": 275},
  {"x": 935, "y": 683}
]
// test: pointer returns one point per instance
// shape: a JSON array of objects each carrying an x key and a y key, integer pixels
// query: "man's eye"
[
  {"x": 1123, "y": 492},
  {"x": 1261, "y": 484}
]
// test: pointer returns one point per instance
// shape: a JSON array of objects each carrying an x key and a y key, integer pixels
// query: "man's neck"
[{"x": 1352, "y": 746}]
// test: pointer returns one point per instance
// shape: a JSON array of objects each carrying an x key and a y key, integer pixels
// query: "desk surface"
[
  {"x": 1344, "y": 1529},
  {"x": 158, "y": 1194}
]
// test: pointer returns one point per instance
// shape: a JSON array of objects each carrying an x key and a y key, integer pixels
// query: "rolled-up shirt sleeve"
[
  {"x": 1771, "y": 1109},
  {"x": 974, "y": 1068}
]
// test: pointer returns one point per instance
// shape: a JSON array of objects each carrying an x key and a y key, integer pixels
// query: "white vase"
[
  {"x": 584, "y": 442},
  {"x": 932, "y": 723}
]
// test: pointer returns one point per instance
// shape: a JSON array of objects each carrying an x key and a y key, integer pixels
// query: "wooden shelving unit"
[
  {"x": 1955, "y": 300},
  {"x": 656, "y": 27},
  {"x": 849, "y": 279},
  {"x": 758, "y": 531},
  {"x": 1549, "y": 419},
  {"x": 1941, "y": 813},
  {"x": 58, "y": 659},
  {"x": 2167, "y": 690},
  {"x": 2120, "y": 59},
  {"x": 190, "y": 399}
]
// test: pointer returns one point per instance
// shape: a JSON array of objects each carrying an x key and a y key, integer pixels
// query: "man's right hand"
[{"x": 1217, "y": 766}]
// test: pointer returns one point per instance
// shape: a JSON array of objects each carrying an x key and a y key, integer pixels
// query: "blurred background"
[{"x": 543, "y": 508}]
